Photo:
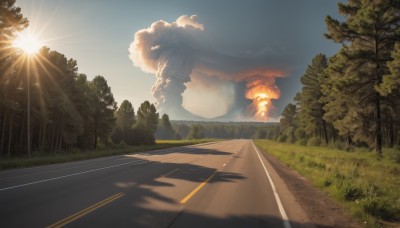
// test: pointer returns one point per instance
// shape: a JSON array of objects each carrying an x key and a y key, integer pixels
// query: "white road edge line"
[
  {"x": 89, "y": 171},
  {"x": 285, "y": 218},
  {"x": 74, "y": 174}
]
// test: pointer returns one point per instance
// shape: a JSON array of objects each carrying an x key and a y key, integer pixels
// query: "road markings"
[
  {"x": 173, "y": 171},
  {"x": 74, "y": 174},
  {"x": 184, "y": 200},
  {"x": 285, "y": 218},
  {"x": 86, "y": 211}
]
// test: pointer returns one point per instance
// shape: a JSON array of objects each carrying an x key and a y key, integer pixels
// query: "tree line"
[
  {"x": 47, "y": 105},
  {"x": 353, "y": 97},
  {"x": 221, "y": 130}
]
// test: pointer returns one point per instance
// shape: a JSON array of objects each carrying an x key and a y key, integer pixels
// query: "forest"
[
  {"x": 351, "y": 99},
  {"x": 46, "y": 105}
]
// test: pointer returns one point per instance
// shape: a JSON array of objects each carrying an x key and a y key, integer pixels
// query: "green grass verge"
[
  {"x": 368, "y": 188},
  {"x": 76, "y": 155}
]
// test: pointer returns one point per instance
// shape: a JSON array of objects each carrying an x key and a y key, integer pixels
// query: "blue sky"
[{"x": 97, "y": 33}]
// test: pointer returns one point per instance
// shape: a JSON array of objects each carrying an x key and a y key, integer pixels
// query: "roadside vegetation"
[
  {"x": 367, "y": 187},
  {"x": 75, "y": 155}
]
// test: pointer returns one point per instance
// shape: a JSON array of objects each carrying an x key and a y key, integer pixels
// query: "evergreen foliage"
[
  {"x": 66, "y": 111},
  {"x": 368, "y": 36},
  {"x": 352, "y": 99}
]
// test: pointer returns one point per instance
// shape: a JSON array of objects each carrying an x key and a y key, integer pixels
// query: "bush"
[
  {"x": 291, "y": 139},
  {"x": 302, "y": 142},
  {"x": 351, "y": 192},
  {"x": 314, "y": 141},
  {"x": 116, "y": 136},
  {"x": 139, "y": 136},
  {"x": 133, "y": 137},
  {"x": 382, "y": 207},
  {"x": 299, "y": 133},
  {"x": 334, "y": 144},
  {"x": 282, "y": 138}
]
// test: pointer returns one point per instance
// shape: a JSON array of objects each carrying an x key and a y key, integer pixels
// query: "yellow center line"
[
  {"x": 86, "y": 211},
  {"x": 184, "y": 200}
]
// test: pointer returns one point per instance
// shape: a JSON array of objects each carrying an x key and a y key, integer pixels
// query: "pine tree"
[
  {"x": 104, "y": 108},
  {"x": 336, "y": 105},
  {"x": 125, "y": 116},
  {"x": 165, "y": 130},
  {"x": 165, "y": 122},
  {"x": 390, "y": 88},
  {"x": 311, "y": 108},
  {"x": 86, "y": 109},
  {"x": 288, "y": 123},
  {"x": 392, "y": 81},
  {"x": 196, "y": 132},
  {"x": 11, "y": 22},
  {"x": 368, "y": 35},
  {"x": 148, "y": 117}
]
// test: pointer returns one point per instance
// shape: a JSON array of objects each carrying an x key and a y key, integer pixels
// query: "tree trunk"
[
  {"x": 10, "y": 135},
  {"x": 22, "y": 130},
  {"x": 53, "y": 137},
  {"x": 391, "y": 133},
  {"x": 378, "y": 126},
  {"x": 349, "y": 142},
  {"x": 44, "y": 136},
  {"x": 378, "y": 75},
  {"x": 60, "y": 135},
  {"x": 3, "y": 131},
  {"x": 325, "y": 132},
  {"x": 95, "y": 131}
]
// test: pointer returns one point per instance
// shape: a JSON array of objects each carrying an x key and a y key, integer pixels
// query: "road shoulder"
[{"x": 318, "y": 207}]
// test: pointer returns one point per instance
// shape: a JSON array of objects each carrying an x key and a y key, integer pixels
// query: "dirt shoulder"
[{"x": 319, "y": 208}]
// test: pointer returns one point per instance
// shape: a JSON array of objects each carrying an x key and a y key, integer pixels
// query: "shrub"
[
  {"x": 302, "y": 142},
  {"x": 291, "y": 139},
  {"x": 314, "y": 141},
  {"x": 349, "y": 191},
  {"x": 335, "y": 145},
  {"x": 139, "y": 136},
  {"x": 282, "y": 138},
  {"x": 382, "y": 207}
]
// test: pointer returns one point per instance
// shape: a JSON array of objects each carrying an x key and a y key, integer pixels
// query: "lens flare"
[{"x": 28, "y": 43}]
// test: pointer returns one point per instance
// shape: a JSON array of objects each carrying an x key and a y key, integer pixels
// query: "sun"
[{"x": 28, "y": 43}]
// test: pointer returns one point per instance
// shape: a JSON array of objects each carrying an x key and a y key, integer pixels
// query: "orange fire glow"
[{"x": 261, "y": 93}]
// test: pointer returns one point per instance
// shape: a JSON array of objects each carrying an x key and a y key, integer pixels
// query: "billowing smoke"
[{"x": 177, "y": 51}]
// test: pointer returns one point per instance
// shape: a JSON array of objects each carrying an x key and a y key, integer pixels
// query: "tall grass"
[
  {"x": 369, "y": 188},
  {"x": 39, "y": 158}
]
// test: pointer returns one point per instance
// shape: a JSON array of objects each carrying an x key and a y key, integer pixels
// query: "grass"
[
  {"x": 367, "y": 187},
  {"x": 76, "y": 155}
]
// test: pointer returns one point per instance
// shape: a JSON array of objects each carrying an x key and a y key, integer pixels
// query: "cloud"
[{"x": 177, "y": 51}]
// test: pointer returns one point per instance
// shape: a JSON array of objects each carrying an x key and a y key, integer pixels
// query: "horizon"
[{"x": 100, "y": 47}]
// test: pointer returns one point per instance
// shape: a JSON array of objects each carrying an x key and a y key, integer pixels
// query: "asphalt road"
[{"x": 223, "y": 184}]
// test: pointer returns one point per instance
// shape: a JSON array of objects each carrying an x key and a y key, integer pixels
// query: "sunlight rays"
[{"x": 28, "y": 43}]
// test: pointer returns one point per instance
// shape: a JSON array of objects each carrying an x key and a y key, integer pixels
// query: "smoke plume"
[{"x": 177, "y": 51}]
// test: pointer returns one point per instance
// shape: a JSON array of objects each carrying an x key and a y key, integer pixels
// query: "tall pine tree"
[
  {"x": 125, "y": 116},
  {"x": 368, "y": 35},
  {"x": 104, "y": 108},
  {"x": 311, "y": 107},
  {"x": 148, "y": 117}
]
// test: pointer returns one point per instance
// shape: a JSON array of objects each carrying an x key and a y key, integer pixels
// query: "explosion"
[
  {"x": 261, "y": 93},
  {"x": 177, "y": 51}
]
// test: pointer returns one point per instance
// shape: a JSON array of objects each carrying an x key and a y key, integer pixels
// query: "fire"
[{"x": 261, "y": 93}]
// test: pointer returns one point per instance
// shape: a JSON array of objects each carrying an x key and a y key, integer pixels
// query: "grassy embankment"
[
  {"x": 75, "y": 155},
  {"x": 368, "y": 188}
]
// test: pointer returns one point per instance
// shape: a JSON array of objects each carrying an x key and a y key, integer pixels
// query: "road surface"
[{"x": 221, "y": 184}]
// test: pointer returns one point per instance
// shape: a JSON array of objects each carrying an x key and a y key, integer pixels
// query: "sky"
[{"x": 284, "y": 35}]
